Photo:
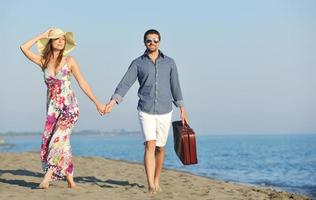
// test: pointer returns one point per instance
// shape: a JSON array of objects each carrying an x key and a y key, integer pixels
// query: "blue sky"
[{"x": 245, "y": 66}]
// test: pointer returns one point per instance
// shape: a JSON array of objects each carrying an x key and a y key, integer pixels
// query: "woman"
[{"x": 62, "y": 105}]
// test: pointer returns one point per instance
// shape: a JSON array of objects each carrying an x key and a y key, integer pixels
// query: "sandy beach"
[{"x": 99, "y": 178}]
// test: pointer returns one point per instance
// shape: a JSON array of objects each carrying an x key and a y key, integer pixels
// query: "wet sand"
[{"x": 99, "y": 178}]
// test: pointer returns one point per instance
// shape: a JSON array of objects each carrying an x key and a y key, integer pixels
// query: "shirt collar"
[{"x": 160, "y": 54}]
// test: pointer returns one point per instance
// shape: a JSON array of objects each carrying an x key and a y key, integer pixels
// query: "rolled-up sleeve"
[
  {"x": 175, "y": 86},
  {"x": 127, "y": 81}
]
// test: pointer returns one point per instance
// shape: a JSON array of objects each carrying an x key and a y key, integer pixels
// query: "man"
[{"x": 159, "y": 87}]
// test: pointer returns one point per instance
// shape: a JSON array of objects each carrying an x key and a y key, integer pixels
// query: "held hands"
[
  {"x": 109, "y": 106},
  {"x": 105, "y": 109},
  {"x": 100, "y": 107}
]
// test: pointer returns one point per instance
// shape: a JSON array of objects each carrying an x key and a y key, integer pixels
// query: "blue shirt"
[{"x": 158, "y": 84}]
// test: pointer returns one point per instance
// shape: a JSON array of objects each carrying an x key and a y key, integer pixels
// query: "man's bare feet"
[
  {"x": 158, "y": 189},
  {"x": 152, "y": 191}
]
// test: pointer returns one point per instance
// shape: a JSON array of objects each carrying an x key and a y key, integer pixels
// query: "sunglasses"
[{"x": 155, "y": 40}]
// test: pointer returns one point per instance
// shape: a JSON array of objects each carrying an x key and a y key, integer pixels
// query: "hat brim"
[{"x": 70, "y": 43}]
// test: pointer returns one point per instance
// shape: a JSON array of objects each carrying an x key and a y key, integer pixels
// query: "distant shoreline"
[{"x": 125, "y": 132}]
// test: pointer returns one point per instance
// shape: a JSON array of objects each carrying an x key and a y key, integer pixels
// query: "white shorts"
[{"x": 155, "y": 127}]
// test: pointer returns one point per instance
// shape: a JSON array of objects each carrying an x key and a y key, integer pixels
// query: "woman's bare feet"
[
  {"x": 70, "y": 181},
  {"x": 44, "y": 184},
  {"x": 72, "y": 185}
]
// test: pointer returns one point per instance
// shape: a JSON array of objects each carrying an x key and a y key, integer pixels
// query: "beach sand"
[{"x": 99, "y": 178}]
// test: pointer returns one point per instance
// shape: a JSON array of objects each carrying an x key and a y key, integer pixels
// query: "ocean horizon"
[{"x": 286, "y": 162}]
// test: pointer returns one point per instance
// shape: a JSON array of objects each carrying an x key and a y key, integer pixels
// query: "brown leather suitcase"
[{"x": 184, "y": 143}]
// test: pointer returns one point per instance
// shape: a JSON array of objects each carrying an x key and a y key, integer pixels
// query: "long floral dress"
[{"x": 62, "y": 114}]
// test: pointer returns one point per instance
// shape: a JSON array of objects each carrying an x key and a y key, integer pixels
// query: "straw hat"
[{"x": 70, "y": 43}]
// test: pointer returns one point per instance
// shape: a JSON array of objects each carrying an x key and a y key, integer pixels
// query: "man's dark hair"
[{"x": 151, "y": 31}]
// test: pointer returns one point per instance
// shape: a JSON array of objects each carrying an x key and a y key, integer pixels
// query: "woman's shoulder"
[{"x": 69, "y": 58}]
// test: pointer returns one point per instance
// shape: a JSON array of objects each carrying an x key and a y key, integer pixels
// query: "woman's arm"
[
  {"x": 26, "y": 48},
  {"x": 83, "y": 84}
]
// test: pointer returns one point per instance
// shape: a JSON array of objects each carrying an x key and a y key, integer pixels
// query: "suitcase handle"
[
  {"x": 185, "y": 128},
  {"x": 186, "y": 125}
]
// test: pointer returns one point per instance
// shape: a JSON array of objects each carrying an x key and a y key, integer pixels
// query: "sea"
[{"x": 283, "y": 162}]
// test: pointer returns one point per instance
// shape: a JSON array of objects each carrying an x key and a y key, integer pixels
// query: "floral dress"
[{"x": 62, "y": 114}]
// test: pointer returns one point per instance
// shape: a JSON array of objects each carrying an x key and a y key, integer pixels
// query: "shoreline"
[{"x": 96, "y": 178}]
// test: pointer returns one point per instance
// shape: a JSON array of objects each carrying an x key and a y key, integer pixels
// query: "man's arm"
[
  {"x": 125, "y": 84},
  {"x": 177, "y": 93}
]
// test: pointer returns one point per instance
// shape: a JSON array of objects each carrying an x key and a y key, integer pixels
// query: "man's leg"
[
  {"x": 149, "y": 163},
  {"x": 160, "y": 157},
  {"x": 163, "y": 125}
]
